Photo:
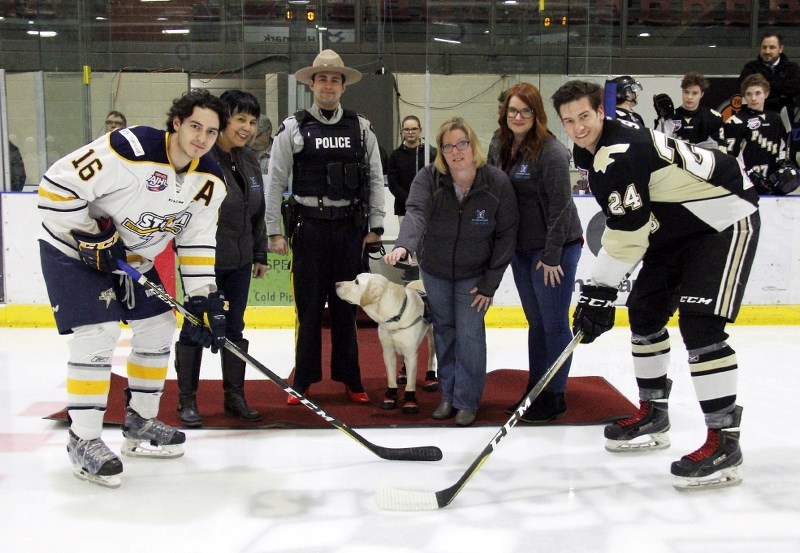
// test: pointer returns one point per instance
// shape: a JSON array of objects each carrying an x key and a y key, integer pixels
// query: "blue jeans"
[
  {"x": 460, "y": 337},
  {"x": 547, "y": 311}
]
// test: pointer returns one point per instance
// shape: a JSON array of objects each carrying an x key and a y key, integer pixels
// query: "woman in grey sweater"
[
  {"x": 461, "y": 221},
  {"x": 549, "y": 240}
]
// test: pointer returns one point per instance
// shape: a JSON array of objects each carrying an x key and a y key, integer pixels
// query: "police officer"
[{"x": 334, "y": 209}]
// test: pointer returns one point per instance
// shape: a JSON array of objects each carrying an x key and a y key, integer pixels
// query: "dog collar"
[{"x": 397, "y": 317}]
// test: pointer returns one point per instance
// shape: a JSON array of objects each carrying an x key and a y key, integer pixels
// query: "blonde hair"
[{"x": 452, "y": 124}]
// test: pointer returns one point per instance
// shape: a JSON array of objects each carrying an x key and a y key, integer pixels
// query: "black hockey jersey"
[
  {"x": 699, "y": 126},
  {"x": 758, "y": 138},
  {"x": 630, "y": 116},
  {"x": 657, "y": 192}
]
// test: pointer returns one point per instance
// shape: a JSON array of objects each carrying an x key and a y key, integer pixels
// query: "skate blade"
[
  {"x": 139, "y": 448},
  {"x": 725, "y": 478},
  {"x": 112, "y": 482},
  {"x": 648, "y": 442}
]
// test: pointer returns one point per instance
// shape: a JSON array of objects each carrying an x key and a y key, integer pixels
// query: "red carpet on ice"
[{"x": 590, "y": 399}]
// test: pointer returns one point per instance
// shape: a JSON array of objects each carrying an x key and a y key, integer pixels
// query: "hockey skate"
[
  {"x": 94, "y": 462},
  {"x": 646, "y": 430},
  {"x": 715, "y": 464},
  {"x": 150, "y": 437}
]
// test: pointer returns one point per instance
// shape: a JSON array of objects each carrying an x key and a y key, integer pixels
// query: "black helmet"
[{"x": 626, "y": 84}]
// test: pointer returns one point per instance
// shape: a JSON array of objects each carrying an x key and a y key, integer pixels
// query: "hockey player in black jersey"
[
  {"x": 755, "y": 135},
  {"x": 691, "y": 122},
  {"x": 691, "y": 217},
  {"x": 628, "y": 90}
]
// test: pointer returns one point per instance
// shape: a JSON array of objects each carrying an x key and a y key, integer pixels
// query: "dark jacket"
[
  {"x": 548, "y": 217},
  {"x": 404, "y": 164},
  {"x": 461, "y": 240},
  {"x": 784, "y": 82},
  {"x": 241, "y": 230}
]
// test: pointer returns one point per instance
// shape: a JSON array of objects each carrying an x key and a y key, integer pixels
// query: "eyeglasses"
[
  {"x": 115, "y": 124},
  {"x": 526, "y": 113},
  {"x": 460, "y": 145},
  {"x": 412, "y": 129}
]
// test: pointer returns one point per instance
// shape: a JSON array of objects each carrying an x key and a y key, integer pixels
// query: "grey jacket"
[
  {"x": 241, "y": 229},
  {"x": 461, "y": 240},
  {"x": 548, "y": 217}
]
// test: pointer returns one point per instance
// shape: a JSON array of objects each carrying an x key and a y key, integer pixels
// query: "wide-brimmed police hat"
[{"x": 328, "y": 61}]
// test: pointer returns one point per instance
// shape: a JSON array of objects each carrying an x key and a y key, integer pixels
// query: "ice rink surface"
[{"x": 544, "y": 489}]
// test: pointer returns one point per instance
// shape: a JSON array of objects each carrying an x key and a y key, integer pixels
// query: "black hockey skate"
[
  {"x": 94, "y": 462},
  {"x": 150, "y": 437},
  {"x": 715, "y": 464},
  {"x": 646, "y": 430}
]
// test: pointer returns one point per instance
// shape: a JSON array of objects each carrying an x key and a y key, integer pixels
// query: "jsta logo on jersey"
[
  {"x": 329, "y": 142},
  {"x": 157, "y": 182},
  {"x": 753, "y": 123},
  {"x": 695, "y": 299},
  {"x": 480, "y": 217},
  {"x": 152, "y": 223}
]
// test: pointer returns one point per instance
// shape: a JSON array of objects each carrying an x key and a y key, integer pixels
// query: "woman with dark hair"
[
  {"x": 241, "y": 253},
  {"x": 461, "y": 222},
  {"x": 549, "y": 240}
]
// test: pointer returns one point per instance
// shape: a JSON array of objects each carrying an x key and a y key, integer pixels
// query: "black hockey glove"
[
  {"x": 100, "y": 251},
  {"x": 595, "y": 312},
  {"x": 663, "y": 106},
  {"x": 211, "y": 311}
]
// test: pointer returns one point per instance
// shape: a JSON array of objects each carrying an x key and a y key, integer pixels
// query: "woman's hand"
[
  {"x": 481, "y": 302},
  {"x": 552, "y": 274},
  {"x": 397, "y": 254},
  {"x": 259, "y": 270}
]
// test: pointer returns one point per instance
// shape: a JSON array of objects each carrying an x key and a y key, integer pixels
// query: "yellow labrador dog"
[{"x": 400, "y": 314}]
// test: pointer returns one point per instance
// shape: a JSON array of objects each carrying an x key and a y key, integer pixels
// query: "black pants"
[{"x": 323, "y": 253}]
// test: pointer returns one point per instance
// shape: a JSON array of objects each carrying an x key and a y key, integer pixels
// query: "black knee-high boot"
[
  {"x": 233, "y": 384},
  {"x": 187, "y": 365}
]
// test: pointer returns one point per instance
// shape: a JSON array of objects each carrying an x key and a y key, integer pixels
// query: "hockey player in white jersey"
[
  {"x": 128, "y": 195},
  {"x": 691, "y": 217}
]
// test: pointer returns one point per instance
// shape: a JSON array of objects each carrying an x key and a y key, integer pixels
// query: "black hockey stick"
[
  {"x": 406, "y": 500},
  {"x": 423, "y": 453}
]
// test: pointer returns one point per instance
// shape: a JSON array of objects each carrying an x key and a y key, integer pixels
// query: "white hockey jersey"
[{"x": 126, "y": 176}]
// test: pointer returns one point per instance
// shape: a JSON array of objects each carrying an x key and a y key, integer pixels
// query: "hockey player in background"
[
  {"x": 127, "y": 196},
  {"x": 691, "y": 122},
  {"x": 757, "y": 136},
  {"x": 628, "y": 90},
  {"x": 690, "y": 216}
]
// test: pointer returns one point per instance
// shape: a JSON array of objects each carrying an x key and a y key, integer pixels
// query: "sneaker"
[
  {"x": 644, "y": 431},
  {"x": 715, "y": 464}
]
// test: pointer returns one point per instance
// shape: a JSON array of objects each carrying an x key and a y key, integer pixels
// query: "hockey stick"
[
  {"x": 406, "y": 500},
  {"x": 423, "y": 453}
]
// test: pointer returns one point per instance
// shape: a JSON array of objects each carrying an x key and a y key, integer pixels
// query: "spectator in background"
[
  {"x": 18, "y": 175},
  {"x": 549, "y": 241},
  {"x": 115, "y": 120},
  {"x": 404, "y": 164},
  {"x": 262, "y": 143},
  {"x": 757, "y": 136},
  {"x": 691, "y": 122},
  {"x": 782, "y": 75},
  {"x": 461, "y": 220}
]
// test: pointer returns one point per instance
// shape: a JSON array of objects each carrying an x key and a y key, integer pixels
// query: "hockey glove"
[
  {"x": 663, "y": 106},
  {"x": 211, "y": 311},
  {"x": 100, "y": 251},
  {"x": 595, "y": 312}
]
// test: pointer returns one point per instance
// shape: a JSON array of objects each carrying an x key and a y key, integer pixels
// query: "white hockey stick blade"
[{"x": 390, "y": 499}]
